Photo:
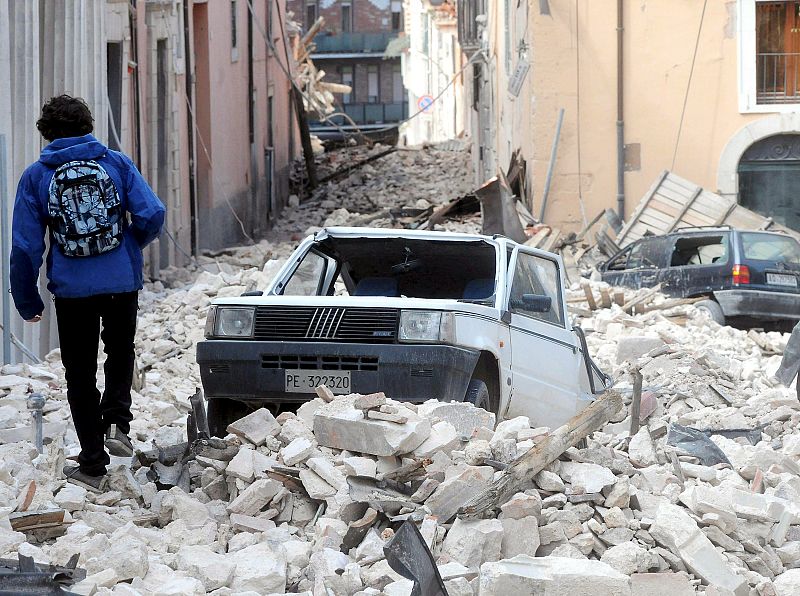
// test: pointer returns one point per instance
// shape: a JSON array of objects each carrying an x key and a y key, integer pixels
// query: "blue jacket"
[{"x": 119, "y": 270}]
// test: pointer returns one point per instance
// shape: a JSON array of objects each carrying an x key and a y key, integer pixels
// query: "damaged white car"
[{"x": 417, "y": 315}]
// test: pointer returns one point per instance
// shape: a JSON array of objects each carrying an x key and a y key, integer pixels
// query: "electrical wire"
[{"x": 689, "y": 84}]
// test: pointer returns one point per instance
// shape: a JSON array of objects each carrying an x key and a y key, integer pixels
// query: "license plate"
[
  {"x": 782, "y": 279},
  {"x": 305, "y": 381}
]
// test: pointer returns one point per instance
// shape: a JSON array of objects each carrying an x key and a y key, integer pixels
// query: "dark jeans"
[{"x": 79, "y": 332}]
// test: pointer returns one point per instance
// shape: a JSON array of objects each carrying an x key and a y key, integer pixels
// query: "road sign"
[{"x": 425, "y": 103}]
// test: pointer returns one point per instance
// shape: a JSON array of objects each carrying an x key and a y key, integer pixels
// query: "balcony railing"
[
  {"x": 372, "y": 113},
  {"x": 778, "y": 78},
  {"x": 353, "y": 43}
]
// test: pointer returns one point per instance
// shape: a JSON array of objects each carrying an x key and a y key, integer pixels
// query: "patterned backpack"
[{"x": 86, "y": 214}]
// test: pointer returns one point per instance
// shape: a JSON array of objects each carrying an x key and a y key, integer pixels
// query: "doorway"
[{"x": 769, "y": 176}]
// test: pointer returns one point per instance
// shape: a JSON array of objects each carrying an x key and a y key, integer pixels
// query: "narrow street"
[{"x": 273, "y": 514}]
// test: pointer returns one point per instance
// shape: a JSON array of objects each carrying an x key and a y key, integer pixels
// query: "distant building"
[
  {"x": 351, "y": 49},
  {"x": 432, "y": 72},
  {"x": 709, "y": 92},
  {"x": 216, "y": 148}
]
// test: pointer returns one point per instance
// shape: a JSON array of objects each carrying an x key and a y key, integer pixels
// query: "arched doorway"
[{"x": 769, "y": 178}]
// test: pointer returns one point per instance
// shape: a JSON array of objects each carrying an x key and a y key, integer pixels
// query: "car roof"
[
  {"x": 352, "y": 232},
  {"x": 691, "y": 230}
]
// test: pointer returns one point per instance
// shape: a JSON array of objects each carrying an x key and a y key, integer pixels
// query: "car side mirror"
[{"x": 537, "y": 302}]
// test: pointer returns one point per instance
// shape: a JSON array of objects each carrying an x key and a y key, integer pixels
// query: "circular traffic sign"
[{"x": 425, "y": 103}]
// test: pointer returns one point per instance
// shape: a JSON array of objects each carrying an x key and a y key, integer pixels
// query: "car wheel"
[
  {"x": 221, "y": 412},
  {"x": 478, "y": 395},
  {"x": 713, "y": 309}
]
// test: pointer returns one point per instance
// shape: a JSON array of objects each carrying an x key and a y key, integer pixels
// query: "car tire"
[
  {"x": 221, "y": 412},
  {"x": 713, "y": 309},
  {"x": 478, "y": 395}
]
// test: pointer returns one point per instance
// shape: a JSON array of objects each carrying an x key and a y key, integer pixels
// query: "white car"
[{"x": 415, "y": 314}]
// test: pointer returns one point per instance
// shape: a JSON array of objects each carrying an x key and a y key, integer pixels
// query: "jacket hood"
[{"x": 67, "y": 149}]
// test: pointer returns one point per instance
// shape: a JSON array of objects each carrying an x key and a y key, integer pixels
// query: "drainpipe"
[
  {"x": 620, "y": 119},
  {"x": 189, "y": 78},
  {"x": 132, "y": 18}
]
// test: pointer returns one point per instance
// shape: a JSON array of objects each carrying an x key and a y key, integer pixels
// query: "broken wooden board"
[
  {"x": 36, "y": 520},
  {"x": 543, "y": 454},
  {"x": 673, "y": 202}
]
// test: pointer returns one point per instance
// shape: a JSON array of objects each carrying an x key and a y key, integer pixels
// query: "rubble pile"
[
  {"x": 306, "y": 502},
  {"x": 418, "y": 179}
]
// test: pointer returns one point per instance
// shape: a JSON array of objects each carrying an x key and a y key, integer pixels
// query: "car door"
[
  {"x": 545, "y": 362},
  {"x": 698, "y": 264}
]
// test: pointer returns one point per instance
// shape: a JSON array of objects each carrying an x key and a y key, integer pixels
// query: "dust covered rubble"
[{"x": 306, "y": 503}]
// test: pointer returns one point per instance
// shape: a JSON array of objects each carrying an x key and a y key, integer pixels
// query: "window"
[
  {"x": 347, "y": 17},
  {"x": 769, "y": 247},
  {"x": 372, "y": 84},
  {"x": 467, "y": 12},
  {"x": 234, "y": 33},
  {"x": 777, "y": 52},
  {"x": 425, "y": 20},
  {"x": 397, "y": 15},
  {"x": 535, "y": 278},
  {"x": 398, "y": 92},
  {"x": 307, "y": 278},
  {"x": 114, "y": 78},
  {"x": 311, "y": 14},
  {"x": 234, "y": 41},
  {"x": 347, "y": 79},
  {"x": 700, "y": 250}
]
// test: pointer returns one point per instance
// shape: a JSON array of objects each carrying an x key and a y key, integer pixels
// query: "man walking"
[{"x": 100, "y": 213}]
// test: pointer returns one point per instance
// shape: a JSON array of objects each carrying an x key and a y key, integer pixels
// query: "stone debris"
[{"x": 303, "y": 503}]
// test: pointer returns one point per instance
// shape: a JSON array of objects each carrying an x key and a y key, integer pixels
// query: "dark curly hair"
[{"x": 65, "y": 116}]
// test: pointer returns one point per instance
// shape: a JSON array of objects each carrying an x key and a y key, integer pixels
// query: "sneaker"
[
  {"x": 95, "y": 484},
  {"x": 118, "y": 443}
]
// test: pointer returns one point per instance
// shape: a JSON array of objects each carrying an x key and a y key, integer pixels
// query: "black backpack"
[{"x": 85, "y": 211}]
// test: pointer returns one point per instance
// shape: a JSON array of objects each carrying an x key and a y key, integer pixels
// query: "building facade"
[
  {"x": 216, "y": 146},
  {"x": 351, "y": 49},
  {"x": 707, "y": 90},
  {"x": 432, "y": 64}
]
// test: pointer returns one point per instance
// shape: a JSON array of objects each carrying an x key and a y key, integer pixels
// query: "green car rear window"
[{"x": 770, "y": 247}]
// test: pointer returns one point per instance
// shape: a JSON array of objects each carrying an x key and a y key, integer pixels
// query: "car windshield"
[
  {"x": 397, "y": 267},
  {"x": 770, "y": 247}
]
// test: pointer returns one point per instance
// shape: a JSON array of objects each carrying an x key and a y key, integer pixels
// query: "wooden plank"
[
  {"x": 537, "y": 238},
  {"x": 621, "y": 237},
  {"x": 619, "y": 297},
  {"x": 35, "y": 520},
  {"x": 551, "y": 240},
  {"x": 649, "y": 294},
  {"x": 637, "y": 400},
  {"x": 587, "y": 291},
  {"x": 519, "y": 473},
  {"x": 605, "y": 298},
  {"x": 682, "y": 212}
]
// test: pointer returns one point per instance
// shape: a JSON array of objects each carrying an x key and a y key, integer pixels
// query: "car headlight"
[
  {"x": 234, "y": 321},
  {"x": 426, "y": 326}
]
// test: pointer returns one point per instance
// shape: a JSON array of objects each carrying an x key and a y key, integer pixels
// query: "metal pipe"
[
  {"x": 620, "y": 118},
  {"x": 5, "y": 239},
  {"x": 189, "y": 80},
  {"x": 35, "y": 404},
  {"x": 551, "y": 167}
]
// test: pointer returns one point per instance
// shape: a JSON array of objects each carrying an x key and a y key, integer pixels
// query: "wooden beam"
[
  {"x": 587, "y": 290},
  {"x": 636, "y": 404},
  {"x": 519, "y": 473}
]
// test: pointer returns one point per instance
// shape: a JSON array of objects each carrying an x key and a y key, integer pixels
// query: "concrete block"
[
  {"x": 549, "y": 481},
  {"x": 678, "y": 532},
  {"x": 551, "y": 576},
  {"x": 325, "y": 469},
  {"x": 633, "y": 347},
  {"x": 627, "y": 558},
  {"x": 315, "y": 486},
  {"x": 464, "y": 416},
  {"x": 661, "y": 584},
  {"x": 474, "y": 542},
  {"x": 298, "y": 451},
  {"x": 521, "y": 505},
  {"x": 443, "y": 438},
  {"x": 256, "y": 427},
  {"x": 591, "y": 477},
  {"x": 260, "y": 568},
  {"x": 213, "y": 569},
  {"x": 360, "y": 466},
  {"x": 451, "y": 494},
  {"x": 249, "y": 523},
  {"x": 255, "y": 497},
  {"x": 341, "y": 426},
  {"x": 520, "y": 537}
]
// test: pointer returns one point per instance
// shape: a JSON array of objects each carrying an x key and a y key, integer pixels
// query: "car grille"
[
  {"x": 298, "y": 323},
  {"x": 332, "y": 362}
]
